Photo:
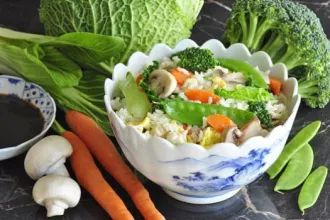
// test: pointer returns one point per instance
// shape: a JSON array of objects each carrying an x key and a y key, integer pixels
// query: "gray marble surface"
[{"x": 255, "y": 202}]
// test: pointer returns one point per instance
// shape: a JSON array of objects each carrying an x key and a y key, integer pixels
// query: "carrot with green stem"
[
  {"x": 106, "y": 153},
  {"x": 90, "y": 177}
]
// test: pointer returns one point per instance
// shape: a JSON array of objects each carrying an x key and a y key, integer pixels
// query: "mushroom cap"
[
  {"x": 57, "y": 193},
  {"x": 48, "y": 153}
]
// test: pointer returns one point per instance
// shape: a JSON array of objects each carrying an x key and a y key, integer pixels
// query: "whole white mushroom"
[
  {"x": 56, "y": 193},
  {"x": 48, "y": 157}
]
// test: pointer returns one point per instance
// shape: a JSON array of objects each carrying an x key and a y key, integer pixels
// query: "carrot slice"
[
  {"x": 180, "y": 76},
  {"x": 106, "y": 153},
  {"x": 219, "y": 122},
  {"x": 201, "y": 95},
  {"x": 90, "y": 177},
  {"x": 185, "y": 127},
  {"x": 275, "y": 85},
  {"x": 138, "y": 79}
]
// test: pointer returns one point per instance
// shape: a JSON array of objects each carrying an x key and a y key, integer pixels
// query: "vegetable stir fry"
[{"x": 192, "y": 97}]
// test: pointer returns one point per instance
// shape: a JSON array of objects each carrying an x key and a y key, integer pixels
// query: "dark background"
[{"x": 257, "y": 201}]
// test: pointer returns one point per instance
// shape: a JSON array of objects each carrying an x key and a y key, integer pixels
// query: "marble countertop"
[{"x": 255, "y": 202}]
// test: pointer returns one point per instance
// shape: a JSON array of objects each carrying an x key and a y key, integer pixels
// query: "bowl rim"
[
  {"x": 45, "y": 129},
  {"x": 296, "y": 98}
]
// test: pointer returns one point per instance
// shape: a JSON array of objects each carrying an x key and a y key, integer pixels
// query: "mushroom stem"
[
  {"x": 53, "y": 209},
  {"x": 59, "y": 170}
]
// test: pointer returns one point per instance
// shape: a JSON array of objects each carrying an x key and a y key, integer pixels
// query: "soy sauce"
[{"x": 19, "y": 121}]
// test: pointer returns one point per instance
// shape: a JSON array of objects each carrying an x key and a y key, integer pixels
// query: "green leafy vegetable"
[
  {"x": 52, "y": 70},
  {"x": 245, "y": 93},
  {"x": 136, "y": 100},
  {"x": 51, "y": 62},
  {"x": 141, "y": 23},
  {"x": 152, "y": 95},
  {"x": 85, "y": 48},
  {"x": 87, "y": 97},
  {"x": 259, "y": 109},
  {"x": 290, "y": 33},
  {"x": 196, "y": 59}
]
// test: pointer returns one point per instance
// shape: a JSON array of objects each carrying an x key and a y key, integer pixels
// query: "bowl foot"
[{"x": 200, "y": 200}]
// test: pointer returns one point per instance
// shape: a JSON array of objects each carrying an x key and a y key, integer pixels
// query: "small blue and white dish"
[{"x": 34, "y": 94}]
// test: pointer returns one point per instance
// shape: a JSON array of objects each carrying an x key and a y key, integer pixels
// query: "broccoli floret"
[
  {"x": 291, "y": 34},
  {"x": 196, "y": 59},
  {"x": 259, "y": 109}
]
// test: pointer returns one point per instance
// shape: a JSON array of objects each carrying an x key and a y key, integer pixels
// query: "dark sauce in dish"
[{"x": 19, "y": 121}]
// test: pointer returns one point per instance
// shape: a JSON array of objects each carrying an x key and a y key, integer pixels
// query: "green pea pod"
[
  {"x": 192, "y": 113},
  {"x": 312, "y": 188},
  {"x": 246, "y": 69},
  {"x": 296, "y": 143},
  {"x": 299, "y": 167},
  {"x": 136, "y": 100}
]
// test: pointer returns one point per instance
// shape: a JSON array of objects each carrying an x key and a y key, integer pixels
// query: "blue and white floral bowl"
[
  {"x": 34, "y": 94},
  {"x": 189, "y": 172}
]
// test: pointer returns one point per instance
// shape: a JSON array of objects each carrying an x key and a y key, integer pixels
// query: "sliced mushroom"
[
  {"x": 231, "y": 135},
  {"x": 251, "y": 129},
  {"x": 162, "y": 82},
  {"x": 234, "y": 78}
]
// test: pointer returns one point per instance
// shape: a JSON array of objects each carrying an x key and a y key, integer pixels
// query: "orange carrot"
[
  {"x": 138, "y": 79},
  {"x": 201, "y": 95},
  {"x": 219, "y": 122},
  {"x": 91, "y": 179},
  {"x": 180, "y": 76},
  {"x": 185, "y": 127},
  {"x": 275, "y": 85},
  {"x": 105, "y": 152}
]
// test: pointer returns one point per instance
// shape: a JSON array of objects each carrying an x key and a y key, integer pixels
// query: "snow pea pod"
[
  {"x": 192, "y": 113},
  {"x": 248, "y": 71},
  {"x": 296, "y": 143},
  {"x": 312, "y": 188},
  {"x": 299, "y": 167}
]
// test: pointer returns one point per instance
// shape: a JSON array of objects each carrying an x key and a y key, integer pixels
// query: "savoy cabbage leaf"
[{"x": 141, "y": 23}]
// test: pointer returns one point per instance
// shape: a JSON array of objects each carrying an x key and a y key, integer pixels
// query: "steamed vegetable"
[
  {"x": 152, "y": 95},
  {"x": 195, "y": 59},
  {"x": 245, "y": 93},
  {"x": 275, "y": 85},
  {"x": 291, "y": 34},
  {"x": 136, "y": 100},
  {"x": 180, "y": 76},
  {"x": 141, "y": 23},
  {"x": 219, "y": 122},
  {"x": 202, "y": 96},
  {"x": 192, "y": 113},
  {"x": 259, "y": 109},
  {"x": 106, "y": 153}
]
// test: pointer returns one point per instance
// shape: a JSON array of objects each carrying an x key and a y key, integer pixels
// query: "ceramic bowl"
[
  {"x": 189, "y": 172},
  {"x": 37, "y": 96}
]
